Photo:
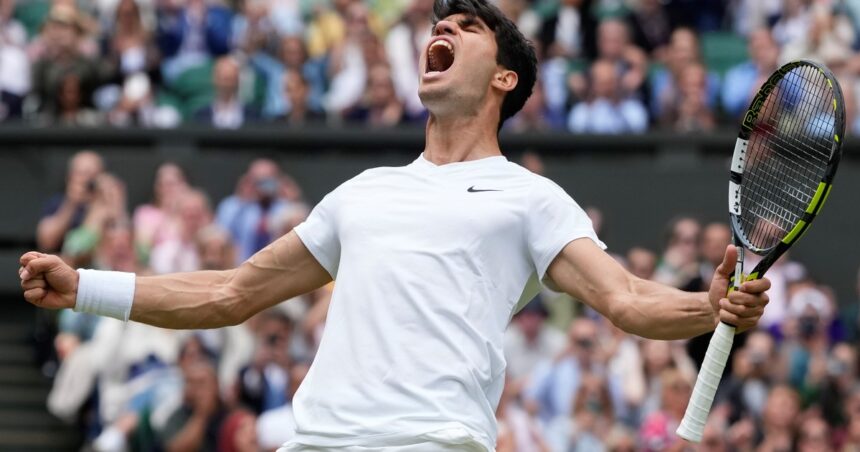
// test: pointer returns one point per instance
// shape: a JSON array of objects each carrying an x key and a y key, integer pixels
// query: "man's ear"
[{"x": 505, "y": 80}]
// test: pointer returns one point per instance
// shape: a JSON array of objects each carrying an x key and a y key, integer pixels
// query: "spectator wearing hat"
[{"x": 530, "y": 339}]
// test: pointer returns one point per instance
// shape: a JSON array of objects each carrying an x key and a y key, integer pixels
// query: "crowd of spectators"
[
  {"x": 574, "y": 381},
  {"x": 606, "y": 66}
]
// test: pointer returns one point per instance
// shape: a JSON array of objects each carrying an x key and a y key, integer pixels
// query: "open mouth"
[{"x": 440, "y": 56}]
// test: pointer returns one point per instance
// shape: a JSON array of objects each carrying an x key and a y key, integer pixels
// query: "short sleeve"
[
  {"x": 319, "y": 233},
  {"x": 554, "y": 220}
]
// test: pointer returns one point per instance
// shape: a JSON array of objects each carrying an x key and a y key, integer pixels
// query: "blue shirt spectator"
[{"x": 742, "y": 81}]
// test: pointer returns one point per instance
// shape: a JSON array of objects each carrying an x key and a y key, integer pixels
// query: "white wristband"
[{"x": 105, "y": 293}]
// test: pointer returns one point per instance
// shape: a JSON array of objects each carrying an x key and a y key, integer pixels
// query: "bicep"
[
  {"x": 278, "y": 272},
  {"x": 586, "y": 272}
]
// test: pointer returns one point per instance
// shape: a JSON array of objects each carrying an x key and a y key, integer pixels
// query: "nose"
[{"x": 444, "y": 27}]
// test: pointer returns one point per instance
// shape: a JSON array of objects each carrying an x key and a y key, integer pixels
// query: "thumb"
[{"x": 727, "y": 267}]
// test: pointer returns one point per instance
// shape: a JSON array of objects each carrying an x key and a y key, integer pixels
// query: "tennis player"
[{"x": 431, "y": 261}]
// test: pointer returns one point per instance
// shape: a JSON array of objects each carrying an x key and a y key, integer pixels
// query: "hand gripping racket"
[{"x": 785, "y": 158}]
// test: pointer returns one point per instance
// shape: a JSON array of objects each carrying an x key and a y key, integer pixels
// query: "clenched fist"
[
  {"x": 742, "y": 308},
  {"x": 48, "y": 282}
]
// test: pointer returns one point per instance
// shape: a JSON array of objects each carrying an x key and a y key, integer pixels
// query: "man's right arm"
[{"x": 208, "y": 299}]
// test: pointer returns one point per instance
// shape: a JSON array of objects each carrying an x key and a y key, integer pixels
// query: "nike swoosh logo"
[{"x": 472, "y": 189}]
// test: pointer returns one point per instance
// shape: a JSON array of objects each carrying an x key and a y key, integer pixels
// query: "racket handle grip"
[{"x": 699, "y": 407}]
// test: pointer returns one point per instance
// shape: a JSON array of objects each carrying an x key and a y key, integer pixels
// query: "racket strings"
[{"x": 788, "y": 153}]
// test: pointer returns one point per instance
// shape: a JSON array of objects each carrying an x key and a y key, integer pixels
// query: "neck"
[{"x": 460, "y": 138}]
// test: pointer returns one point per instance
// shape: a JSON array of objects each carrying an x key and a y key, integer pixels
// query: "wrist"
[{"x": 105, "y": 293}]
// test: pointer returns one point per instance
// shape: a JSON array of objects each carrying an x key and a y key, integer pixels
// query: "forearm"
[
  {"x": 656, "y": 311},
  {"x": 188, "y": 300}
]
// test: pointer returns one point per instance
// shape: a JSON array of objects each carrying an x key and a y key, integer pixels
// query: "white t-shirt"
[{"x": 431, "y": 262}]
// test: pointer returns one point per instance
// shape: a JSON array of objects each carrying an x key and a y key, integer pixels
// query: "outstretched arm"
[
  {"x": 207, "y": 299},
  {"x": 650, "y": 309}
]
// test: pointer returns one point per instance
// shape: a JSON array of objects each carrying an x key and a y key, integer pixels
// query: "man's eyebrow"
[{"x": 468, "y": 21}]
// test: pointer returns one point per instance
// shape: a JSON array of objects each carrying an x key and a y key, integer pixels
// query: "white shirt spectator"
[{"x": 604, "y": 116}]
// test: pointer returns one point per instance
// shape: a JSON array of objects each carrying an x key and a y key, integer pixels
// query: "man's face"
[{"x": 457, "y": 65}]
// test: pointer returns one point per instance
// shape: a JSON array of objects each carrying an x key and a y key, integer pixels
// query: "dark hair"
[{"x": 515, "y": 52}]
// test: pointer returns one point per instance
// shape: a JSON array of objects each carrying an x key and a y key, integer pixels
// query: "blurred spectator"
[
  {"x": 137, "y": 106},
  {"x": 107, "y": 210},
  {"x": 403, "y": 47},
  {"x": 529, "y": 340},
  {"x": 298, "y": 94},
  {"x": 520, "y": 12},
  {"x": 657, "y": 357},
  {"x": 641, "y": 262},
  {"x": 715, "y": 238},
  {"x": 155, "y": 222},
  {"x": 667, "y": 83},
  {"x": 628, "y": 61},
  {"x": 179, "y": 253},
  {"x": 793, "y": 23},
  {"x": 277, "y": 426},
  {"x": 590, "y": 422},
  {"x": 63, "y": 77},
  {"x": 691, "y": 113},
  {"x": 380, "y": 106},
  {"x": 744, "y": 80},
  {"x": 215, "y": 248},
  {"x": 327, "y": 27},
  {"x": 850, "y": 434},
  {"x": 830, "y": 38},
  {"x": 552, "y": 390},
  {"x": 536, "y": 115},
  {"x": 128, "y": 45},
  {"x": 238, "y": 433},
  {"x": 246, "y": 213},
  {"x": 350, "y": 59},
  {"x": 14, "y": 66},
  {"x": 607, "y": 110},
  {"x": 197, "y": 423},
  {"x": 625, "y": 365},
  {"x": 292, "y": 57},
  {"x": 807, "y": 342},
  {"x": 66, "y": 211},
  {"x": 751, "y": 15},
  {"x": 263, "y": 384},
  {"x": 227, "y": 111},
  {"x": 814, "y": 436},
  {"x": 652, "y": 27},
  {"x": 745, "y": 391},
  {"x": 560, "y": 34},
  {"x": 190, "y": 33},
  {"x": 780, "y": 419},
  {"x": 657, "y": 432},
  {"x": 679, "y": 263},
  {"x": 518, "y": 431}
]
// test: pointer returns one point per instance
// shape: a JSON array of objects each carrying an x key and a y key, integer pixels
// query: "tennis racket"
[{"x": 785, "y": 158}]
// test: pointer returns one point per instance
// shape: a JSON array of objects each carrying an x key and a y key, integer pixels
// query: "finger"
[
  {"x": 756, "y": 286},
  {"x": 739, "y": 310},
  {"x": 741, "y": 323},
  {"x": 37, "y": 266},
  {"x": 35, "y": 296},
  {"x": 749, "y": 300},
  {"x": 35, "y": 283},
  {"x": 29, "y": 256},
  {"x": 727, "y": 267}
]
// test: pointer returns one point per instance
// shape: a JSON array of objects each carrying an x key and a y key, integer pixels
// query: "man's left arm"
[{"x": 649, "y": 309}]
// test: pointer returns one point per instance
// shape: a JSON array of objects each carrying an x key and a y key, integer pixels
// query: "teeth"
[{"x": 446, "y": 44}]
